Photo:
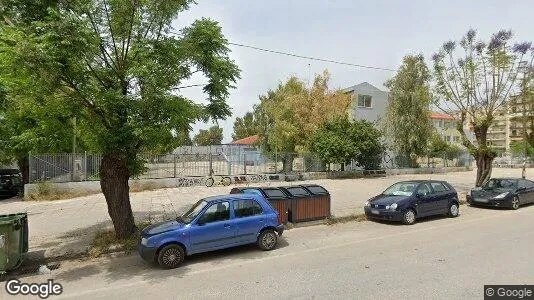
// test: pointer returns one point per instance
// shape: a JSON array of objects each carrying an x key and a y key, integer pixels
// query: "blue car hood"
[
  {"x": 161, "y": 227},
  {"x": 387, "y": 200}
]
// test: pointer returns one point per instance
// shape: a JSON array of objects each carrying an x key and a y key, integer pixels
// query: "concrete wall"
[{"x": 93, "y": 187}]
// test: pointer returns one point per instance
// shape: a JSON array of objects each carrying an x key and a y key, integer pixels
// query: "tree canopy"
[
  {"x": 340, "y": 141},
  {"x": 211, "y": 136},
  {"x": 475, "y": 82},
  {"x": 245, "y": 126},
  {"x": 118, "y": 66},
  {"x": 407, "y": 122}
]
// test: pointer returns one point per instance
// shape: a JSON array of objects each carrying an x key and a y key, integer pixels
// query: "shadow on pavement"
[{"x": 124, "y": 267}]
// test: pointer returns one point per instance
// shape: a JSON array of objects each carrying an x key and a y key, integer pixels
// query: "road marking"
[{"x": 267, "y": 258}]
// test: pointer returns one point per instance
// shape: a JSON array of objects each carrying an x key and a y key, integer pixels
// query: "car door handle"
[{"x": 226, "y": 225}]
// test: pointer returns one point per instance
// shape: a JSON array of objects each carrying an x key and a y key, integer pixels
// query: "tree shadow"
[{"x": 126, "y": 266}]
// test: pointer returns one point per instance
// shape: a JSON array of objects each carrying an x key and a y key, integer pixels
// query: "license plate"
[
  {"x": 481, "y": 200},
  {"x": 374, "y": 211}
]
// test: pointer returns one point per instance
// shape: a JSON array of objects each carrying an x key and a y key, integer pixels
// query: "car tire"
[
  {"x": 171, "y": 256},
  {"x": 514, "y": 204},
  {"x": 454, "y": 210},
  {"x": 267, "y": 240},
  {"x": 408, "y": 217}
]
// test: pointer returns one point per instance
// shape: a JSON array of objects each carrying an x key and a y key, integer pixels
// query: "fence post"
[
  {"x": 244, "y": 163},
  {"x": 228, "y": 159},
  {"x": 210, "y": 163},
  {"x": 29, "y": 167},
  {"x": 85, "y": 166},
  {"x": 174, "y": 163}
]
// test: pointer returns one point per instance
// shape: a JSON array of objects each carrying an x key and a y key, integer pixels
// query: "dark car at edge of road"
[
  {"x": 503, "y": 192},
  {"x": 212, "y": 223},
  {"x": 10, "y": 182},
  {"x": 406, "y": 201}
]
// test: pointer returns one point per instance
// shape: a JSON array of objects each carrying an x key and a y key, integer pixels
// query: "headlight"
[
  {"x": 144, "y": 241},
  {"x": 393, "y": 206},
  {"x": 500, "y": 196},
  {"x": 367, "y": 203}
]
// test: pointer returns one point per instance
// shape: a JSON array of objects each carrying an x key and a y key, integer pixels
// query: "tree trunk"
[
  {"x": 114, "y": 175},
  {"x": 342, "y": 166},
  {"x": 288, "y": 163},
  {"x": 484, "y": 167}
]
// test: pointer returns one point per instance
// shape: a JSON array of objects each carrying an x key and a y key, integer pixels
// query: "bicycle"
[{"x": 225, "y": 181}]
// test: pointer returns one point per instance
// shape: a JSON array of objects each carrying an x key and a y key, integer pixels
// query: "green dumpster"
[{"x": 13, "y": 240}]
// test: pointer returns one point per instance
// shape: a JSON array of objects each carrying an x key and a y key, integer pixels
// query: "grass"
[
  {"x": 107, "y": 242},
  {"x": 46, "y": 191},
  {"x": 350, "y": 218}
]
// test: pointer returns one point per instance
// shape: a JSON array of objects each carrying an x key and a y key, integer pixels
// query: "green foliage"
[
  {"x": 245, "y": 126},
  {"x": 211, "y": 136},
  {"x": 341, "y": 141},
  {"x": 437, "y": 147},
  {"x": 453, "y": 151},
  {"x": 115, "y": 65},
  {"x": 289, "y": 115},
  {"x": 407, "y": 121},
  {"x": 518, "y": 149}
]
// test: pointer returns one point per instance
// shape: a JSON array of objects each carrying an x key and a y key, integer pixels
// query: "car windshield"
[
  {"x": 192, "y": 212},
  {"x": 400, "y": 189},
  {"x": 500, "y": 184}
]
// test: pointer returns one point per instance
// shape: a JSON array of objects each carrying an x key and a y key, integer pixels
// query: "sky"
[{"x": 375, "y": 33}]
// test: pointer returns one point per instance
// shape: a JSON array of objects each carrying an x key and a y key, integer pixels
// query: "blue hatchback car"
[{"x": 212, "y": 223}]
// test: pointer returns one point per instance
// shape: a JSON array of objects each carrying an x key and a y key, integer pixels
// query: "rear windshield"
[
  {"x": 298, "y": 191},
  {"x": 317, "y": 190},
  {"x": 274, "y": 193}
]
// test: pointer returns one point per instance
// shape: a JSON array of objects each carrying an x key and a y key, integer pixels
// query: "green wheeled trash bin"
[{"x": 13, "y": 240}]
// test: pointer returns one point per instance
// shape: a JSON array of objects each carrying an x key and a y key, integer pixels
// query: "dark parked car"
[
  {"x": 10, "y": 182},
  {"x": 408, "y": 200},
  {"x": 212, "y": 223},
  {"x": 503, "y": 192}
]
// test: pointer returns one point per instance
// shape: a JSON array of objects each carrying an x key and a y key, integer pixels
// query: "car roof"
[
  {"x": 232, "y": 196},
  {"x": 509, "y": 178}
]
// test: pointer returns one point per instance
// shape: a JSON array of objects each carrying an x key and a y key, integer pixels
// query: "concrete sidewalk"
[{"x": 67, "y": 227}]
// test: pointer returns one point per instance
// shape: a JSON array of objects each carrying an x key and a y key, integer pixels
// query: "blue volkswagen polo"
[{"x": 212, "y": 223}]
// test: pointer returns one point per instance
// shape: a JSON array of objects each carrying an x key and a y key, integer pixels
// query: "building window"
[
  {"x": 456, "y": 139},
  {"x": 364, "y": 101},
  {"x": 514, "y": 132}
]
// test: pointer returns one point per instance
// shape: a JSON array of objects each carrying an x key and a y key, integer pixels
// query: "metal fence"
[{"x": 184, "y": 162}]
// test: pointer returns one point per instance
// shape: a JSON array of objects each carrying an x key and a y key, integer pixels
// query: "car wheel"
[
  {"x": 171, "y": 256},
  {"x": 408, "y": 217},
  {"x": 267, "y": 240},
  {"x": 515, "y": 203},
  {"x": 453, "y": 210}
]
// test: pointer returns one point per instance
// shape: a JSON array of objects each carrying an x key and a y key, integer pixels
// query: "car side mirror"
[
  {"x": 201, "y": 222},
  {"x": 521, "y": 189}
]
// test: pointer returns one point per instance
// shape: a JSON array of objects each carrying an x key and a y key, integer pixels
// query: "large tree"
[
  {"x": 289, "y": 115},
  {"x": 245, "y": 126},
  {"x": 211, "y": 136},
  {"x": 340, "y": 141},
  {"x": 407, "y": 121},
  {"x": 474, "y": 83},
  {"x": 118, "y": 66}
]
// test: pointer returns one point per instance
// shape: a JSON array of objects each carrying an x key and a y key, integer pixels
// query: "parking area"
[{"x": 68, "y": 226}]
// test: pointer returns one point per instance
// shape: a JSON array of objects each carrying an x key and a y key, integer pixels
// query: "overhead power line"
[{"x": 312, "y": 58}]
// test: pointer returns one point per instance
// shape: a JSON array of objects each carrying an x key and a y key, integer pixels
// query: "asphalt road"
[{"x": 437, "y": 258}]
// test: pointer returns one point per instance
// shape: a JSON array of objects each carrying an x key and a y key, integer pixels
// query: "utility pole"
[{"x": 73, "y": 150}]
